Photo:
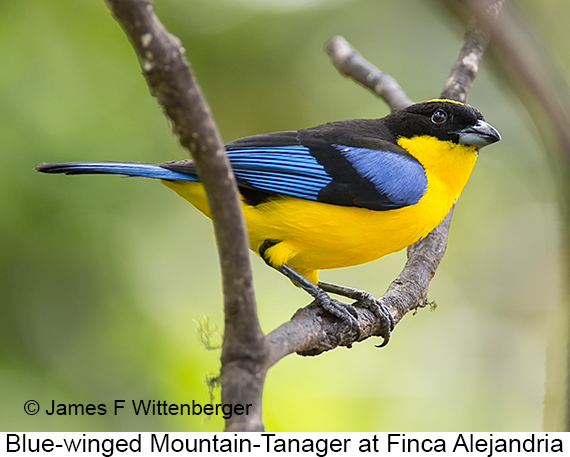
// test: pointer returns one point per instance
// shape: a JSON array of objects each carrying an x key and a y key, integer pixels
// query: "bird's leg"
[
  {"x": 364, "y": 300},
  {"x": 345, "y": 312}
]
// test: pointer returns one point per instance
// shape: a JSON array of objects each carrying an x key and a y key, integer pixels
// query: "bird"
[{"x": 338, "y": 194}]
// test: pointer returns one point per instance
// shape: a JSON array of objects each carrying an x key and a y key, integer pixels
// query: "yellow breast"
[{"x": 313, "y": 236}]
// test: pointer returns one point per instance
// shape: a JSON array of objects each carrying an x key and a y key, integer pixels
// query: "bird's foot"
[
  {"x": 382, "y": 312},
  {"x": 367, "y": 301},
  {"x": 346, "y": 312}
]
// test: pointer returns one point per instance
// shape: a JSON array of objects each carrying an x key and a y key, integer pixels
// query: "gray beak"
[{"x": 481, "y": 134}]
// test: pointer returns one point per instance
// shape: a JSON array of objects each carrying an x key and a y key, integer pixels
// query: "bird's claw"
[
  {"x": 349, "y": 315},
  {"x": 345, "y": 312},
  {"x": 381, "y": 311}
]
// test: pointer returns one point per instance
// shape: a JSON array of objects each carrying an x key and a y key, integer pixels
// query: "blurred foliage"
[{"x": 101, "y": 278}]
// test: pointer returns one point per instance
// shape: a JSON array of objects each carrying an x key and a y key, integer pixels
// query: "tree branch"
[
  {"x": 483, "y": 16},
  {"x": 350, "y": 63},
  {"x": 171, "y": 81}
]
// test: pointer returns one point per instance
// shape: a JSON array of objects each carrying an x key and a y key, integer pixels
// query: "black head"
[{"x": 445, "y": 120}]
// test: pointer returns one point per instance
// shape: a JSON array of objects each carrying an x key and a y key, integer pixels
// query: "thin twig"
[
  {"x": 350, "y": 63},
  {"x": 483, "y": 16}
]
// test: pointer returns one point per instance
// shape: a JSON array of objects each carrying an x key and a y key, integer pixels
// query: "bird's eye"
[{"x": 439, "y": 117}]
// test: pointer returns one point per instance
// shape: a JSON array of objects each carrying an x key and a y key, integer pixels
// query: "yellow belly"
[{"x": 314, "y": 236}]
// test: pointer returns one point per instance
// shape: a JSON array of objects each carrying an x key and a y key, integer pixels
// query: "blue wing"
[
  {"x": 287, "y": 170},
  {"x": 348, "y": 176},
  {"x": 400, "y": 178}
]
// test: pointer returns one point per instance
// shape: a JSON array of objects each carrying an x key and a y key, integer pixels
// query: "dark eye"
[{"x": 439, "y": 117}]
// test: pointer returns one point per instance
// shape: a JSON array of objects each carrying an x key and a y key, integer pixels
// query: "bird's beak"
[{"x": 481, "y": 134}]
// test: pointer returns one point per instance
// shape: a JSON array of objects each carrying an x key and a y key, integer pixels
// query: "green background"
[{"x": 102, "y": 279}]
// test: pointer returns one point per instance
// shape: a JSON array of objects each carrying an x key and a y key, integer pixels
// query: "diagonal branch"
[
  {"x": 171, "y": 81},
  {"x": 350, "y": 63},
  {"x": 466, "y": 67}
]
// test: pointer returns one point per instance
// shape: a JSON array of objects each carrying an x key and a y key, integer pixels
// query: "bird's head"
[{"x": 445, "y": 120}]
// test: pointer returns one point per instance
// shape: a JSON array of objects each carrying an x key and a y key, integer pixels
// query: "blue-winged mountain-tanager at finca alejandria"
[{"x": 338, "y": 194}]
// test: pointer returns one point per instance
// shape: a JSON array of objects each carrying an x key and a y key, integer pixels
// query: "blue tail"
[{"x": 143, "y": 170}]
